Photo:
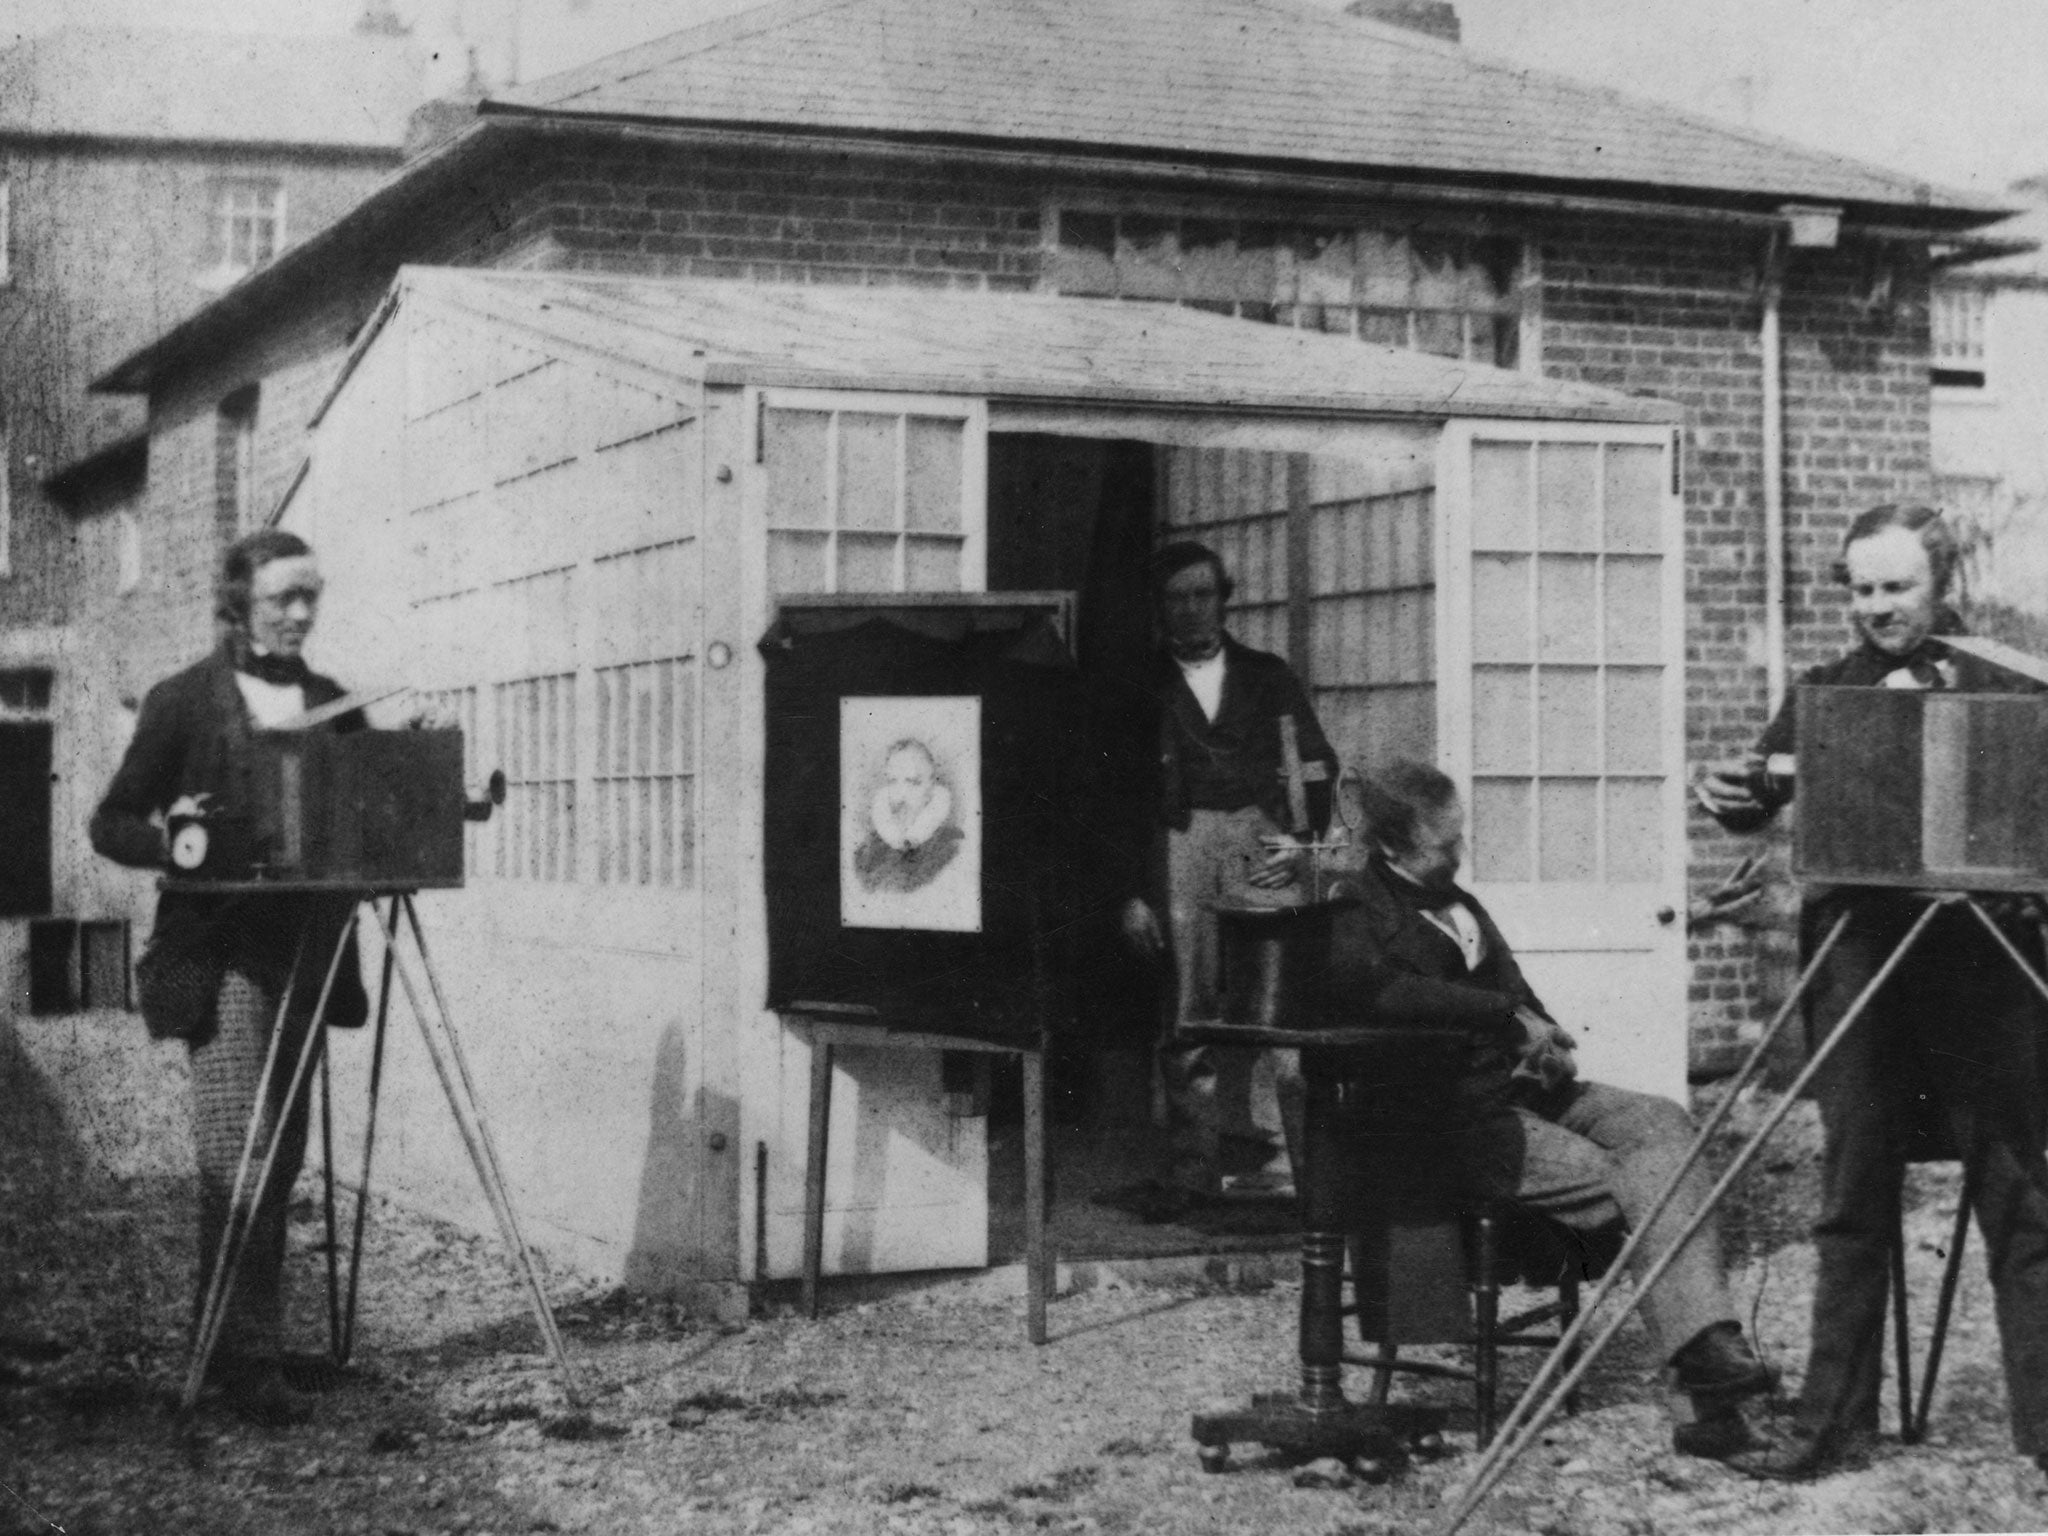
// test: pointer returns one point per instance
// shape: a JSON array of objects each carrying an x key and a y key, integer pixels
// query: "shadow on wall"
[
  {"x": 95, "y": 1089},
  {"x": 686, "y": 1237},
  {"x": 33, "y": 1130}
]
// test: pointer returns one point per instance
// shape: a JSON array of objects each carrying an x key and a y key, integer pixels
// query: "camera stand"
[{"x": 255, "y": 1170}]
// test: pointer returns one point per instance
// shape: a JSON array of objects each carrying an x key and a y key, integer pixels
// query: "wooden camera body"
[
  {"x": 362, "y": 810},
  {"x": 1927, "y": 789}
]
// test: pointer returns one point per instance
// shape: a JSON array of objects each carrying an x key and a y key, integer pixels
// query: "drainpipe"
[
  {"x": 1771, "y": 345},
  {"x": 1805, "y": 228}
]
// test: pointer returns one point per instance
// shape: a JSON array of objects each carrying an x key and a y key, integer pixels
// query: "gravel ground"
[{"x": 914, "y": 1408}]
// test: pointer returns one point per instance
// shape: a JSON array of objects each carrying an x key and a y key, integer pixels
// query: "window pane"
[
  {"x": 867, "y": 562},
  {"x": 1635, "y": 720},
  {"x": 793, "y": 444},
  {"x": 1635, "y": 498},
  {"x": 1570, "y": 810},
  {"x": 796, "y": 562},
  {"x": 1147, "y": 258},
  {"x": 1440, "y": 333},
  {"x": 1568, "y": 719},
  {"x": 1500, "y": 608},
  {"x": 867, "y": 471},
  {"x": 1500, "y": 496},
  {"x": 1565, "y": 508},
  {"x": 1087, "y": 253},
  {"x": 1635, "y": 608},
  {"x": 1635, "y": 850},
  {"x": 931, "y": 565},
  {"x": 1502, "y": 731},
  {"x": 1566, "y": 614},
  {"x": 932, "y": 474},
  {"x": 1500, "y": 829}
]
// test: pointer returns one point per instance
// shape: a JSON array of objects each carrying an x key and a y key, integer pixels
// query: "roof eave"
[{"x": 1588, "y": 194}]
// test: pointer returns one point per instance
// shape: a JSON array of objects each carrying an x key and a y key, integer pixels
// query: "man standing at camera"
[
  {"x": 1957, "y": 1021},
  {"x": 1224, "y": 804},
  {"x": 224, "y": 972}
]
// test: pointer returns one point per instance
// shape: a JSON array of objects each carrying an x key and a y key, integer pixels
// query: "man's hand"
[
  {"x": 1282, "y": 864},
  {"x": 1728, "y": 787},
  {"x": 1545, "y": 1056},
  {"x": 1141, "y": 929}
]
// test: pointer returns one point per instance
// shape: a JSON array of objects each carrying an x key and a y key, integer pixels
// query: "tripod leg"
[
  {"x": 355, "y": 1254},
  {"x": 1952, "y": 1270},
  {"x": 1498, "y": 1457},
  {"x": 327, "y": 1207},
  {"x": 460, "y": 1090}
]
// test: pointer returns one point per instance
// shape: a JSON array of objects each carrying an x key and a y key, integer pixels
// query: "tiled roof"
[
  {"x": 353, "y": 92},
  {"x": 1015, "y": 347},
  {"x": 1258, "y": 79}
]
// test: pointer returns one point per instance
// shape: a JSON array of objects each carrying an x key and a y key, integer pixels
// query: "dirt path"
[{"x": 923, "y": 1411}]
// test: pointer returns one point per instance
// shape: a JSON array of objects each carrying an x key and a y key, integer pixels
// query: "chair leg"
[
  {"x": 1037, "y": 1273},
  {"x": 1902, "y": 1338},
  {"x": 1486, "y": 1325},
  {"x": 1567, "y": 1314},
  {"x": 1383, "y": 1374}
]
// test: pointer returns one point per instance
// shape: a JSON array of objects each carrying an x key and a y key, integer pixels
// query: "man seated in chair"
[{"x": 1588, "y": 1155}]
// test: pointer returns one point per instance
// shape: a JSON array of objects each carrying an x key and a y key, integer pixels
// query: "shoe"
[
  {"x": 1716, "y": 1435},
  {"x": 1800, "y": 1454},
  {"x": 255, "y": 1392},
  {"x": 1719, "y": 1363}
]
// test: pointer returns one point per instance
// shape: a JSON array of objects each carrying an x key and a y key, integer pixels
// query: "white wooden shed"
[{"x": 570, "y": 506}]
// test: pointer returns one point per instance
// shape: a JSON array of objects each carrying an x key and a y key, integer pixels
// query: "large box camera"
[
  {"x": 1933, "y": 790},
  {"x": 364, "y": 810}
]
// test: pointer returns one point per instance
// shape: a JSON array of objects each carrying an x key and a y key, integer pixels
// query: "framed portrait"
[{"x": 910, "y": 813}]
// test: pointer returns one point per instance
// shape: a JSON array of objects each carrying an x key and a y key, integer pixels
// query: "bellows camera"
[{"x": 367, "y": 809}]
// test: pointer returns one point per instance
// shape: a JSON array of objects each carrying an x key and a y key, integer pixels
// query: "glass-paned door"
[{"x": 1561, "y": 629}]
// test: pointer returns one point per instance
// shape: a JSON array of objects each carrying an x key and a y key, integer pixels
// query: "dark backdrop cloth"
[{"x": 1005, "y": 981}]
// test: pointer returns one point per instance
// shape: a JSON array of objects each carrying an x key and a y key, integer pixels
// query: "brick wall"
[{"x": 1677, "y": 314}]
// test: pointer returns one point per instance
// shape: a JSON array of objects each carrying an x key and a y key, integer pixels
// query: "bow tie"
[
  {"x": 1430, "y": 898},
  {"x": 1926, "y": 673},
  {"x": 283, "y": 671}
]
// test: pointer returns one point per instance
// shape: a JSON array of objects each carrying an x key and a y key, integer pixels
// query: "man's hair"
[
  {"x": 1944, "y": 549},
  {"x": 238, "y": 568},
  {"x": 1169, "y": 560},
  {"x": 1397, "y": 797},
  {"x": 911, "y": 744}
]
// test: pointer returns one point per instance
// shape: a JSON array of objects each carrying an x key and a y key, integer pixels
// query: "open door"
[{"x": 1560, "y": 633}]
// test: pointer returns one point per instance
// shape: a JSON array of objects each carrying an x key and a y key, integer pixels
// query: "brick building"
[
  {"x": 1316, "y": 172},
  {"x": 141, "y": 174}
]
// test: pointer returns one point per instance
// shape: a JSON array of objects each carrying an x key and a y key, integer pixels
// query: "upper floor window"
[
  {"x": 1957, "y": 354},
  {"x": 1453, "y": 294},
  {"x": 248, "y": 225}
]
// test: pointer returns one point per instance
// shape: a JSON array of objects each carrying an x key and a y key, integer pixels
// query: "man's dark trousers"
[{"x": 1951, "y": 1040}]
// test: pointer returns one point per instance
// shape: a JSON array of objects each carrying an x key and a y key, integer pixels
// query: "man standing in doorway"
[{"x": 1223, "y": 807}]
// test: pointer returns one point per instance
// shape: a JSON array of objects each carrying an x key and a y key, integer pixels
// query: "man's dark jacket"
[
  {"x": 192, "y": 731},
  {"x": 1393, "y": 967},
  {"x": 1235, "y": 761}
]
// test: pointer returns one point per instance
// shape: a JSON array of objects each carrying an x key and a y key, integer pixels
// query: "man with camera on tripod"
[{"x": 1957, "y": 1021}]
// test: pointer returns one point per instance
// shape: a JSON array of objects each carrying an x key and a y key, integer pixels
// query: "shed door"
[
  {"x": 1561, "y": 631},
  {"x": 875, "y": 493}
]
